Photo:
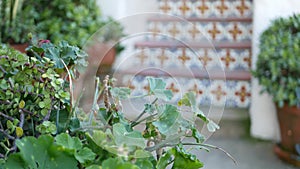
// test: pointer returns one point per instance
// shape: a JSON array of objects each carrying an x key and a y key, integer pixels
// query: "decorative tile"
[
  {"x": 206, "y": 8},
  {"x": 217, "y": 93},
  {"x": 227, "y": 59},
  {"x": 197, "y": 31}
]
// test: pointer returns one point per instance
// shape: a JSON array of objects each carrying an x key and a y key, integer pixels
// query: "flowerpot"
[
  {"x": 20, "y": 47},
  {"x": 289, "y": 122},
  {"x": 101, "y": 57}
]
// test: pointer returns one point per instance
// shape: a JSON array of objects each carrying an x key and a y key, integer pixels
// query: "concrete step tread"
[
  {"x": 199, "y": 19},
  {"x": 199, "y": 74},
  {"x": 193, "y": 44}
]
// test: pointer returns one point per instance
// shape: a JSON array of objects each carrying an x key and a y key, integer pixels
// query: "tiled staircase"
[{"x": 198, "y": 45}]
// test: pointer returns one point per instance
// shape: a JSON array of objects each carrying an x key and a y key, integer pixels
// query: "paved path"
[{"x": 249, "y": 153}]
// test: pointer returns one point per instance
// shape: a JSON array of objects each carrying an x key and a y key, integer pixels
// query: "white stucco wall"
[{"x": 262, "y": 111}]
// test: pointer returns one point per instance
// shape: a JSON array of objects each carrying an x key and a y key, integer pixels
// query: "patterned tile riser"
[
  {"x": 199, "y": 31},
  {"x": 178, "y": 58},
  {"x": 208, "y": 92},
  {"x": 206, "y": 8}
]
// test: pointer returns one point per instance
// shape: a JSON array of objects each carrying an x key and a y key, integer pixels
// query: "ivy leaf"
[
  {"x": 120, "y": 92},
  {"x": 164, "y": 160},
  {"x": 85, "y": 155},
  {"x": 158, "y": 88},
  {"x": 94, "y": 167},
  {"x": 74, "y": 124},
  {"x": 132, "y": 138},
  {"x": 156, "y": 84},
  {"x": 40, "y": 153},
  {"x": 197, "y": 136},
  {"x": 115, "y": 163},
  {"x": 53, "y": 53},
  {"x": 144, "y": 163},
  {"x": 212, "y": 126},
  {"x": 189, "y": 99},
  {"x": 183, "y": 159},
  {"x": 140, "y": 153},
  {"x": 68, "y": 142},
  {"x": 167, "y": 120},
  {"x": 163, "y": 94}
]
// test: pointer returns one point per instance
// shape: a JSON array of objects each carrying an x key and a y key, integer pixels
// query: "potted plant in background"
[
  {"x": 278, "y": 71},
  {"x": 74, "y": 21},
  {"x": 14, "y": 28},
  {"x": 42, "y": 126}
]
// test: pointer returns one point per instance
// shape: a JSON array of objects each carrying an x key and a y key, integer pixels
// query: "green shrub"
[{"x": 278, "y": 64}]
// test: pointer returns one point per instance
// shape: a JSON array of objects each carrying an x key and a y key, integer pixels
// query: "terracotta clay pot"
[
  {"x": 101, "y": 57},
  {"x": 289, "y": 122},
  {"x": 20, "y": 47}
]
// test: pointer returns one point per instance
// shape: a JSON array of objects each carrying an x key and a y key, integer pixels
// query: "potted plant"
[
  {"x": 77, "y": 22},
  {"x": 278, "y": 71},
  {"x": 104, "y": 46},
  {"x": 41, "y": 125},
  {"x": 13, "y": 27}
]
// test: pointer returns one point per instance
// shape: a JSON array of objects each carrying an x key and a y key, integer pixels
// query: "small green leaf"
[
  {"x": 132, "y": 138},
  {"x": 212, "y": 126},
  {"x": 167, "y": 120},
  {"x": 164, "y": 160},
  {"x": 9, "y": 124},
  {"x": 85, "y": 155},
  {"x": 94, "y": 167},
  {"x": 22, "y": 104},
  {"x": 158, "y": 88},
  {"x": 144, "y": 163},
  {"x": 68, "y": 142},
  {"x": 44, "y": 112},
  {"x": 74, "y": 124},
  {"x": 41, "y": 104},
  {"x": 19, "y": 131},
  {"x": 185, "y": 160},
  {"x": 197, "y": 136},
  {"x": 120, "y": 92},
  {"x": 114, "y": 163},
  {"x": 156, "y": 83}
]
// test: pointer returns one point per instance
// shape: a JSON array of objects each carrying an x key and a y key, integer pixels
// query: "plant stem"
[
  {"x": 146, "y": 118},
  {"x": 143, "y": 112},
  {"x": 7, "y": 116},
  {"x": 191, "y": 144},
  {"x": 7, "y": 135},
  {"x": 137, "y": 97}
]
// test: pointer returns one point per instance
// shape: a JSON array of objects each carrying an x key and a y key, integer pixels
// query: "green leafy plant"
[
  {"x": 66, "y": 136},
  {"x": 30, "y": 93},
  {"x": 277, "y": 67},
  {"x": 63, "y": 55}
]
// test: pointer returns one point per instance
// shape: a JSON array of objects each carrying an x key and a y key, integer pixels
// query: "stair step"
[
  {"x": 185, "y": 73},
  {"x": 195, "y": 29},
  {"x": 206, "y": 8},
  {"x": 194, "y": 44},
  {"x": 228, "y": 93},
  {"x": 168, "y": 18}
]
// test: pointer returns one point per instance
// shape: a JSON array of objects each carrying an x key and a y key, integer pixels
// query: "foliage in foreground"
[{"x": 49, "y": 130}]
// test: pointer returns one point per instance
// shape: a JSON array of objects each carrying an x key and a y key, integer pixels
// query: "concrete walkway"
[{"x": 249, "y": 154}]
